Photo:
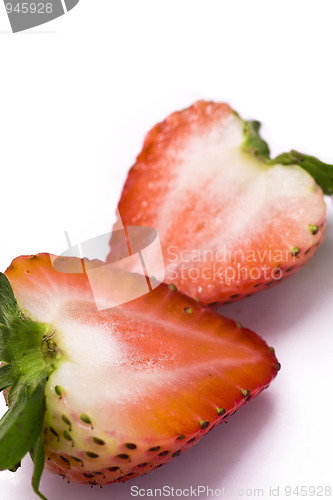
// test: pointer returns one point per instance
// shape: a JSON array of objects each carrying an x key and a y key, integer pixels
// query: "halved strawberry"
[
  {"x": 126, "y": 388},
  {"x": 231, "y": 220}
]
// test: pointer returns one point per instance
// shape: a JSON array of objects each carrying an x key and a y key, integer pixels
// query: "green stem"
[{"x": 321, "y": 172}]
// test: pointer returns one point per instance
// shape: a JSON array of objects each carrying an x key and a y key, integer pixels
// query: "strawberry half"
[
  {"x": 110, "y": 395},
  {"x": 231, "y": 221}
]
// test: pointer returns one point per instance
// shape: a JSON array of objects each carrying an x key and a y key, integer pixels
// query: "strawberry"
[
  {"x": 231, "y": 221},
  {"x": 108, "y": 395}
]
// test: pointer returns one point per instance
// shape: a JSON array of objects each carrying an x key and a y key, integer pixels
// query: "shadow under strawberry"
[{"x": 213, "y": 460}]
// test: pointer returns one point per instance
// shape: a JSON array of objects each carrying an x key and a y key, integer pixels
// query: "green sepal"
[
  {"x": 21, "y": 338},
  {"x": 5, "y": 335},
  {"x": 38, "y": 457},
  {"x": 7, "y": 378},
  {"x": 15, "y": 467},
  {"x": 8, "y": 304},
  {"x": 321, "y": 172},
  {"x": 21, "y": 425},
  {"x": 30, "y": 354}
]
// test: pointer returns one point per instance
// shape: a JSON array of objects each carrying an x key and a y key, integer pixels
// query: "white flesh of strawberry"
[{"x": 243, "y": 192}]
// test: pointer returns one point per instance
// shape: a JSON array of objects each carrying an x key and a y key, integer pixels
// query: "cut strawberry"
[
  {"x": 126, "y": 388},
  {"x": 231, "y": 220}
]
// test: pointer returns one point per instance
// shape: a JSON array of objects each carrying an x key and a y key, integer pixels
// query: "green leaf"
[
  {"x": 7, "y": 378},
  {"x": 8, "y": 304},
  {"x": 321, "y": 172},
  {"x": 38, "y": 456},
  {"x": 21, "y": 425}
]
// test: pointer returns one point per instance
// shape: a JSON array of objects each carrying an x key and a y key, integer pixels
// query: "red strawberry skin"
[
  {"x": 229, "y": 225},
  {"x": 138, "y": 384}
]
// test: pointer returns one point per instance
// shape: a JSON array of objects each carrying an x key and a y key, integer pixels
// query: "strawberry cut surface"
[
  {"x": 130, "y": 387},
  {"x": 231, "y": 221}
]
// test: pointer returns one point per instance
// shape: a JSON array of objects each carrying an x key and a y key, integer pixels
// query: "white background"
[{"x": 77, "y": 96}]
